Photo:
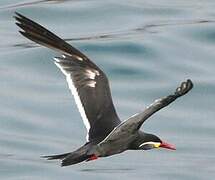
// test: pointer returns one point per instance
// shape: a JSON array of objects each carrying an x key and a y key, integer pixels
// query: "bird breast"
[{"x": 115, "y": 146}]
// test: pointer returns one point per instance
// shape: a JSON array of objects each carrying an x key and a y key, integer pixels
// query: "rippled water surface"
[{"x": 146, "y": 48}]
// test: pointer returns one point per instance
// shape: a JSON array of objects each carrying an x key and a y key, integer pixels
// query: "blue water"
[{"x": 146, "y": 49}]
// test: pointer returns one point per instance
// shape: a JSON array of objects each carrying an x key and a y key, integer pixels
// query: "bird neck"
[{"x": 141, "y": 138}]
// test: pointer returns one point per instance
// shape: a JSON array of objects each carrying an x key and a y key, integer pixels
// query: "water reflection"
[
  {"x": 123, "y": 34},
  {"x": 31, "y": 3},
  {"x": 39, "y": 116},
  {"x": 107, "y": 170}
]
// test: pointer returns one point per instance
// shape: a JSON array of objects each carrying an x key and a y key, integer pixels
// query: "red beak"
[{"x": 167, "y": 145}]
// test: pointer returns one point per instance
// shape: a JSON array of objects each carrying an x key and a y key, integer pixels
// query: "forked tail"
[
  {"x": 68, "y": 158},
  {"x": 58, "y": 156},
  {"x": 73, "y": 157}
]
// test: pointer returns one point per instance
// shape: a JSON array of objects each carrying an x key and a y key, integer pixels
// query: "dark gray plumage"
[
  {"x": 83, "y": 73},
  {"x": 106, "y": 135},
  {"x": 127, "y": 134}
]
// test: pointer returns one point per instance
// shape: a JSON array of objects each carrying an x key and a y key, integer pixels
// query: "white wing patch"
[
  {"x": 78, "y": 57},
  {"x": 91, "y": 74},
  {"x": 75, "y": 94},
  {"x": 91, "y": 84}
]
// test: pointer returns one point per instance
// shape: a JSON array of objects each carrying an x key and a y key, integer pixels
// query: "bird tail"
[
  {"x": 74, "y": 157},
  {"x": 58, "y": 156},
  {"x": 41, "y": 35},
  {"x": 68, "y": 158}
]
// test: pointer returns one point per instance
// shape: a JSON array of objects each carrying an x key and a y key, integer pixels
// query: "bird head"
[{"x": 151, "y": 141}]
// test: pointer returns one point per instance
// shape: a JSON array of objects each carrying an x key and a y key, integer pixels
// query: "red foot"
[{"x": 92, "y": 157}]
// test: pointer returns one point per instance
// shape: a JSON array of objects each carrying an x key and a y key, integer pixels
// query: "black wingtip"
[
  {"x": 17, "y": 15},
  {"x": 19, "y": 24},
  {"x": 19, "y": 20},
  {"x": 184, "y": 88},
  {"x": 22, "y": 32},
  {"x": 190, "y": 84}
]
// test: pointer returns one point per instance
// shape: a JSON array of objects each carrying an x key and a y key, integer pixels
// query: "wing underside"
[{"x": 88, "y": 83}]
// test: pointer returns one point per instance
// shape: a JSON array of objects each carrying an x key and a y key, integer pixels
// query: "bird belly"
[{"x": 114, "y": 146}]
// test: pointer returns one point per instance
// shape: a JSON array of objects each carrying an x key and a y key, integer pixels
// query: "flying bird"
[{"x": 106, "y": 134}]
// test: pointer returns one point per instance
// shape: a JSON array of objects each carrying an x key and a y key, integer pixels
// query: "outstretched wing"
[
  {"x": 183, "y": 89},
  {"x": 135, "y": 122},
  {"x": 88, "y": 83}
]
